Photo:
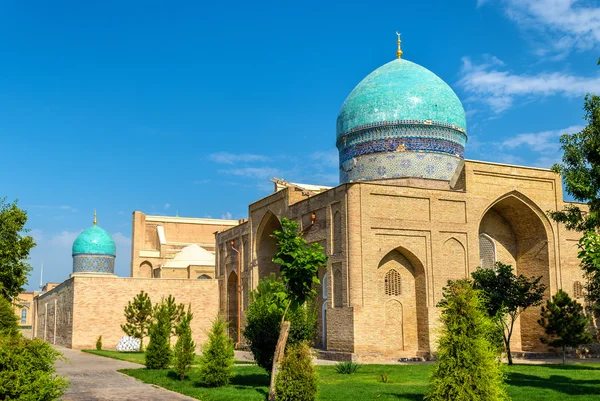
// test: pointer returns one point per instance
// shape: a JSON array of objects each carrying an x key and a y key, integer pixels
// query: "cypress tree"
[
  {"x": 183, "y": 354},
  {"x": 467, "y": 365},
  {"x": 158, "y": 353},
  {"x": 216, "y": 362}
]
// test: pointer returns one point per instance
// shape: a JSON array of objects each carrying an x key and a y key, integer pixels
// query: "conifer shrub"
[
  {"x": 158, "y": 353},
  {"x": 27, "y": 369},
  {"x": 8, "y": 319},
  {"x": 297, "y": 379},
  {"x": 138, "y": 316},
  {"x": 99, "y": 343},
  {"x": 183, "y": 352},
  {"x": 216, "y": 362},
  {"x": 467, "y": 367}
]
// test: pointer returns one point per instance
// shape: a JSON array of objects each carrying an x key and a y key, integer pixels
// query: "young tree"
[
  {"x": 14, "y": 249},
  {"x": 138, "y": 316},
  {"x": 158, "y": 353},
  {"x": 297, "y": 380},
  {"x": 183, "y": 352},
  {"x": 467, "y": 366},
  {"x": 175, "y": 312},
  {"x": 216, "y": 362},
  {"x": 565, "y": 323},
  {"x": 506, "y": 296},
  {"x": 299, "y": 263},
  {"x": 589, "y": 254}
]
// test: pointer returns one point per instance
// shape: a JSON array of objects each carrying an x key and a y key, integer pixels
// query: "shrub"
[
  {"x": 8, "y": 319},
  {"x": 99, "y": 343},
  {"x": 158, "y": 352},
  {"x": 263, "y": 318},
  {"x": 467, "y": 366},
  {"x": 297, "y": 379},
  {"x": 27, "y": 369},
  {"x": 347, "y": 368},
  {"x": 383, "y": 377},
  {"x": 183, "y": 353},
  {"x": 216, "y": 362}
]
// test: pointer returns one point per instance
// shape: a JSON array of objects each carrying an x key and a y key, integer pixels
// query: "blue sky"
[{"x": 193, "y": 106}]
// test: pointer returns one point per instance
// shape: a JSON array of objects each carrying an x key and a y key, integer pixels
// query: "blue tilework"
[
  {"x": 400, "y": 90},
  {"x": 94, "y": 240},
  {"x": 399, "y": 164},
  {"x": 90, "y": 263}
]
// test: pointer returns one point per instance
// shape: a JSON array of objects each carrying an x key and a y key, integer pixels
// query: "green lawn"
[
  {"x": 138, "y": 357},
  {"x": 405, "y": 382}
]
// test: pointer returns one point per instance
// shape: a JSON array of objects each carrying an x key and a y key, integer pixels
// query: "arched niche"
[
  {"x": 404, "y": 303},
  {"x": 232, "y": 304},
  {"x": 521, "y": 233},
  {"x": 145, "y": 269},
  {"x": 266, "y": 246}
]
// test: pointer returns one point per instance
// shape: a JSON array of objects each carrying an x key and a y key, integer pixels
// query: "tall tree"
[
  {"x": 14, "y": 249},
  {"x": 467, "y": 366},
  {"x": 589, "y": 254},
  {"x": 183, "y": 352},
  {"x": 158, "y": 353},
  {"x": 564, "y": 322},
  {"x": 138, "y": 315},
  {"x": 175, "y": 312},
  {"x": 506, "y": 296}
]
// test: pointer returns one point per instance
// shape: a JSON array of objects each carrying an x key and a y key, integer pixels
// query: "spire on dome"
[
  {"x": 399, "y": 51},
  {"x": 95, "y": 221}
]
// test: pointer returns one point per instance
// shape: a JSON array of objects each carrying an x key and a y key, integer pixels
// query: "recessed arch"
[
  {"x": 232, "y": 304},
  {"x": 145, "y": 269},
  {"x": 266, "y": 245},
  {"x": 204, "y": 277}
]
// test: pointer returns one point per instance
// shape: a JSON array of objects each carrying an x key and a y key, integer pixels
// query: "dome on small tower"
[
  {"x": 402, "y": 120},
  {"x": 94, "y": 251}
]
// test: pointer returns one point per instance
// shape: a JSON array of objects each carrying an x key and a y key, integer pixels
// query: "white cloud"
[
  {"x": 227, "y": 216},
  {"x": 543, "y": 142},
  {"x": 167, "y": 206},
  {"x": 329, "y": 158},
  {"x": 253, "y": 172},
  {"x": 65, "y": 238},
  {"x": 232, "y": 158},
  {"x": 498, "y": 88},
  {"x": 555, "y": 27}
]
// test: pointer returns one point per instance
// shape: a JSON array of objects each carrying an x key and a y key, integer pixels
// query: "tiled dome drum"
[
  {"x": 402, "y": 120},
  {"x": 94, "y": 252}
]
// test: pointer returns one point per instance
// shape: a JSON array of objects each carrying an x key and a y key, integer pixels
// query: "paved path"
[{"x": 95, "y": 377}]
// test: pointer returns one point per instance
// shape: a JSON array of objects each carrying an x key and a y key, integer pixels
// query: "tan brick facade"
[
  {"x": 394, "y": 244},
  {"x": 23, "y": 308}
]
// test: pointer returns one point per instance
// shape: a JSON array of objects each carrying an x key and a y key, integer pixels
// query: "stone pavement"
[{"x": 95, "y": 377}]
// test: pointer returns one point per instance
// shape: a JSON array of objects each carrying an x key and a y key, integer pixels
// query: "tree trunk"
[
  {"x": 278, "y": 357},
  {"x": 564, "y": 352},
  {"x": 508, "y": 354}
]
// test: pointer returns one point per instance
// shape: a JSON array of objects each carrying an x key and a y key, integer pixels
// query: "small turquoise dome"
[
  {"x": 402, "y": 120},
  {"x": 96, "y": 241},
  {"x": 400, "y": 90}
]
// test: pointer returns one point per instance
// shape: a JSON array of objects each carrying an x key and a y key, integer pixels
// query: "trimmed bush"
[
  {"x": 99, "y": 343},
  {"x": 183, "y": 353},
  {"x": 27, "y": 369},
  {"x": 216, "y": 362},
  {"x": 263, "y": 318},
  {"x": 297, "y": 379},
  {"x": 158, "y": 352},
  {"x": 347, "y": 368},
  {"x": 8, "y": 319},
  {"x": 467, "y": 366}
]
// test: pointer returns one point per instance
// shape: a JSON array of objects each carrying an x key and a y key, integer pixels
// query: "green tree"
[
  {"x": 264, "y": 315},
  {"x": 175, "y": 312},
  {"x": 589, "y": 255},
  {"x": 99, "y": 343},
  {"x": 138, "y": 315},
  {"x": 467, "y": 366},
  {"x": 158, "y": 353},
  {"x": 216, "y": 362},
  {"x": 8, "y": 319},
  {"x": 297, "y": 380},
  {"x": 565, "y": 323},
  {"x": 506, "y": 296},
  {"x": 183, "y": 352},
  {"x": 14, "y": 249}
]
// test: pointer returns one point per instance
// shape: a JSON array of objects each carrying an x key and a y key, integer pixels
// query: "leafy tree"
[
  {"x": 14, "y": 249},
  {"x": 264, "y": 315},
  {"x": 183, "y": 352},
  {"x": 216, "y": 362},
  {"x": 138, "y": 315},
  {"x": 564, "y": 322},
  {"x": 8, "y": 319},
  {"x": 297, "y": 380},
  {"x": 158, "y": 353},
  {"x": 589, "y": 255},
  {"x": 506, "y": 296},
  {"x": 27, "y": 369},
  {"x": 467, "y": 366}
]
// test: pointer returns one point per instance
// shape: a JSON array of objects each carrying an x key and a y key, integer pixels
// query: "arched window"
[
  {"x": 577, "y": 290},
  {"x": 393, "y": 284},
  {"x": 23, "y": 316},
  {"x": 204, "y": 277},
  {"x": 338, "y": 302},
  {"x": 487, "y": 252}
]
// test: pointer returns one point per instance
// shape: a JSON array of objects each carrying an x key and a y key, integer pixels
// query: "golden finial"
[
  {"x": 95, "y": 221},
  {"x": 399, "y": 51}
]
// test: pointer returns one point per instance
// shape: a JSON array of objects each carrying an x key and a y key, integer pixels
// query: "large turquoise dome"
[
  {"x": 96, "y": 241},
  {"x": 402, "y": 120}
]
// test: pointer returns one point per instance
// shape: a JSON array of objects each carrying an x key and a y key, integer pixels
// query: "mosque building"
[{"x": 409, "y": 214}]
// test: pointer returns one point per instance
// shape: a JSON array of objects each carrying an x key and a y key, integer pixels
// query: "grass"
[
  {"x": 138, "y": 357},
  {"x": 578, "y": 382}
]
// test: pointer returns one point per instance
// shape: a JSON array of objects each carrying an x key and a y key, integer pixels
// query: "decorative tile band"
[
  {"x": 90, "y": 263},
  {"x": 403, "y": 122},
  {"x": 418, "y": 144},
  {"x": 401, "y": 164}
]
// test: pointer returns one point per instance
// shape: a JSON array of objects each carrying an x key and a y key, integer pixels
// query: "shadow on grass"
[
  {"x": 562, "y": 384},
  {"x": 405, "y": 397},
  {"x": 578, "y": 366}
]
